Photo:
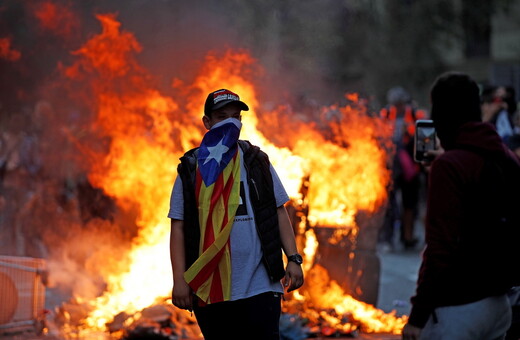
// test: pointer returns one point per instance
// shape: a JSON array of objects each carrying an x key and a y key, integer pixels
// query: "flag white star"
[{"x": 216, "y": 152}]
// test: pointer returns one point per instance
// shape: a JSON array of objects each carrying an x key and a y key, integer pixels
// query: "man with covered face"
[{"x": 229, "y": 226}]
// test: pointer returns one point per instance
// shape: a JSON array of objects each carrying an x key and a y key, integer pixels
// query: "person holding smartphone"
[{"x": 471, "y": 223}]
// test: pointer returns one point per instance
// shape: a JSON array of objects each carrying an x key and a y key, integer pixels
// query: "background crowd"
[{"x": 407, "y": 191}]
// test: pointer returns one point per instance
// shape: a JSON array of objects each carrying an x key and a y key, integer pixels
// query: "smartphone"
[{"x": 424, "y": 140}]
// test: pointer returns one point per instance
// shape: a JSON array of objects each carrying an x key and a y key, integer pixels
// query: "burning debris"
[
  {"x": 329, "y": 310},
  {"x": 123, "y": 138},
  {"x": 159, "y": 321}
]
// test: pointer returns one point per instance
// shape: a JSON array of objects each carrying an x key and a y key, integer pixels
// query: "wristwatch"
[{"x": 296, "y": 258}]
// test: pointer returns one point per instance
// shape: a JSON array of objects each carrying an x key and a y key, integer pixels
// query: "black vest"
[{"x": 261, "y": 194}]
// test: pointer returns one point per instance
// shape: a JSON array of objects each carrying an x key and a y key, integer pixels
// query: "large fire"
[{"x": 342, "y": 165}]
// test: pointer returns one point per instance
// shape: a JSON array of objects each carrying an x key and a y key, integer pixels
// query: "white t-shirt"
[{"x": 248, "y": 274}]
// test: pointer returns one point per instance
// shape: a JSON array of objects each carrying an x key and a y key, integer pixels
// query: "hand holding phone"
[{"x": 424, "y": 141}]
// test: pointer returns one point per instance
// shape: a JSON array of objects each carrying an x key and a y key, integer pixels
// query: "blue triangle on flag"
[{"x": 217, "y": 149}]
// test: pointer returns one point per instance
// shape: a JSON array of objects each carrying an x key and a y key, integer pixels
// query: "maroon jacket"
[{"x": 456, "y": 267}]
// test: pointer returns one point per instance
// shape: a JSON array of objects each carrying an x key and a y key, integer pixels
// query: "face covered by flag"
[{"x": 217, "y": 189}]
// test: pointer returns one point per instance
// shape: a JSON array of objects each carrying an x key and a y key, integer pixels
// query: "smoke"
[{"x": 49, "y": 137}]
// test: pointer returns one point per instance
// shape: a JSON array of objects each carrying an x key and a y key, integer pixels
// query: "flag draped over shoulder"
[{"x": 217, "y": 189}]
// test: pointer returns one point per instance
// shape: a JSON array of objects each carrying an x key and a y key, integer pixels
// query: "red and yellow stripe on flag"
[{"x": 210, "y": 274}]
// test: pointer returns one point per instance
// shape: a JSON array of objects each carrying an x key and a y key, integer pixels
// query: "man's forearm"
[
  {"x": 177, "y": 256},
  {"x": 286, "y": 232}
]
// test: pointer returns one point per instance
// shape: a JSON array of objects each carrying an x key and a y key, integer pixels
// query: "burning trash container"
[
  {"x": 353, "y": 263},
  {"x": 350, "y": 259}
]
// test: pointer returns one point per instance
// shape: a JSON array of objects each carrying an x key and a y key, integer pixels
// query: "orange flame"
[
  {"x": 149, "y": 131},
  {"x": 109, "y": 54},
  {"x": 347, "y": 174},
  {"x": 135, "y": 172},
  {"x": 322, "y": 294}
]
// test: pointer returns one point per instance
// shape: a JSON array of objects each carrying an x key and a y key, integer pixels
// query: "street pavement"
[{"x": 399, "y": 269}]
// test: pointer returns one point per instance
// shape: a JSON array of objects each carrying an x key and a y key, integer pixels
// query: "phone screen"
[{"x": 424, "y": 140}]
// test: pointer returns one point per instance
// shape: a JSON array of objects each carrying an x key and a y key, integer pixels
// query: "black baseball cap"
[{"x": 221, "y": 98}]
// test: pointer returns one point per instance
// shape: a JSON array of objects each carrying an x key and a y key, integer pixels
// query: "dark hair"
[
  {"x": 455, "y": 97},
  {"x": 455, "y": 101}
]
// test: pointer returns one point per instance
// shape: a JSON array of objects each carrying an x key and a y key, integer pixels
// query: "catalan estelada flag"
[{"x": 217, "y": 188}]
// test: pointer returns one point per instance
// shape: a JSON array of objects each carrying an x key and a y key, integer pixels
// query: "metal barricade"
[{"x": 22, "y": 294}]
